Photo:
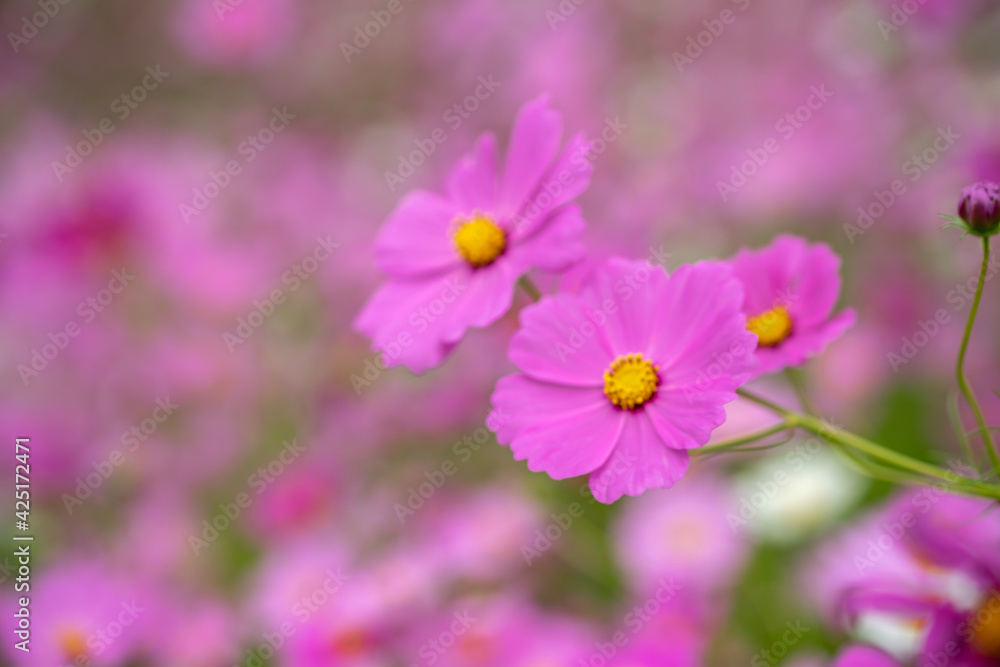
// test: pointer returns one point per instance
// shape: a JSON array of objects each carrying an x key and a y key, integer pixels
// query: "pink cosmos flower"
[
  {"x": 83, "y": 613},
  {"x": 453, "y": 260},
  {"x": 622, "y": 379},
  {"x": 791, "y": 289},
  {"x": 686, "y": 536}
]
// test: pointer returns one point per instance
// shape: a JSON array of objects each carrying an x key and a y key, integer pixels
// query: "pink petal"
[
  {"x": 818, "y": 287},
  {"x": 557, "y": 246},
  {"x": 699, "y": 323},
  {"x": 472, "y": 184},
  {"x": 767, "y": 273},
  {"x": 418, "y": 322},
  {"x": 559, "y": 343},
  {"x": 640, "y": 461},
  {"x": 632, "y": 289},
  {"x": 566, "y": 181},
  {"x": 416, "y": 238},
  {"x": 533, "y": 146},
  {"x": 803, "y": 345},
  {"x": 685, "y": 418},
  {"x": 564, "y": 431}
]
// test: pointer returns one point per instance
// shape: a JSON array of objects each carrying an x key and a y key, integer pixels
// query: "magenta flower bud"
[{"x": 979, "y": 207}]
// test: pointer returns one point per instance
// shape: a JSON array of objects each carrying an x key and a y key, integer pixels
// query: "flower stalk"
[
  {"x": 889, "y": 461},
  {"x": 963, "y": 384}
]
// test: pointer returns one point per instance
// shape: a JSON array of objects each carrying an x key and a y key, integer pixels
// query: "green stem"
[
  {"x": 955, "y": 418},
  {"x": 794, "y": 376},
  {"x": 783, "y": 425},
  {"x": 529, "y": 287},
  {"x": 970, "y": 396},
  {"x": 875, "y": 451}
]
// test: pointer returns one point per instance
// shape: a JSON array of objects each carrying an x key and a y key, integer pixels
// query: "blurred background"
[{"x": 221, "y": 472}]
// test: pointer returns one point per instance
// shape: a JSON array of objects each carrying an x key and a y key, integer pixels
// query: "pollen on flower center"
[
  {"x": 771, "y": 327},
  {"x": 480, "y": 241},
  {"x": 630, "y": 381}
]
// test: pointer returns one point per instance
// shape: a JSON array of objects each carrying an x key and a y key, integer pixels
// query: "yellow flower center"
[
  {"x": 771, "y": 327},
  {"x": 630, "y": 381},
  {"x": 986, "y": 628},
  {"x": 72, "y": 642},
  {"x": 480, "y": 241}
]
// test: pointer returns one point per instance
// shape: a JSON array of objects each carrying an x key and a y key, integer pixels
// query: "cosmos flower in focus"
[
  {"x": 453, "y": 260},
  {"x": 979, "y": 208},
  {"x": 621, "y": 380},
  {"x": 791, "y": 288}
]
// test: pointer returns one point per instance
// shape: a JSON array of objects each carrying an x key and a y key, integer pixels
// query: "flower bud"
[{"x": 979, "y": 207}]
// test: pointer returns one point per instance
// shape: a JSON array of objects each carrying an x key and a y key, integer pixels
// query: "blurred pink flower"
[
  {"x": 80, "y": 610},
  {"x": 201, "y": 633},
  {"x": 234, "y": 32},
  {"x": 684, "y": 536},
  {"x": 504, "y": 631},
  {"x": 480, "y": 536},
  {"x": 791, "y": 289},
  {"x": 621, "y": 380},
  {"x": 919, "y": 577},
  {"x": 453, "y": 261}
]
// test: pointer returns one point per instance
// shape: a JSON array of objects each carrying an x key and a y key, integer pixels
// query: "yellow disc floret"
[
  {"x": 630, "y": 381},
  {"x": 479, "y": 240},
  {"x": 771, "y": 327}
]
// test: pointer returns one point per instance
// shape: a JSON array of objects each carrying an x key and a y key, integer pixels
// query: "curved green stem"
[
  {"x": 794, "y": 376},
  {"x": 955, "y": 417},
  {"x": 529, "y": 287},
  {"x": 725, "y": 445},
  {"x": 970, "y": 396},
  {"x": 895, "y": 460}
]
